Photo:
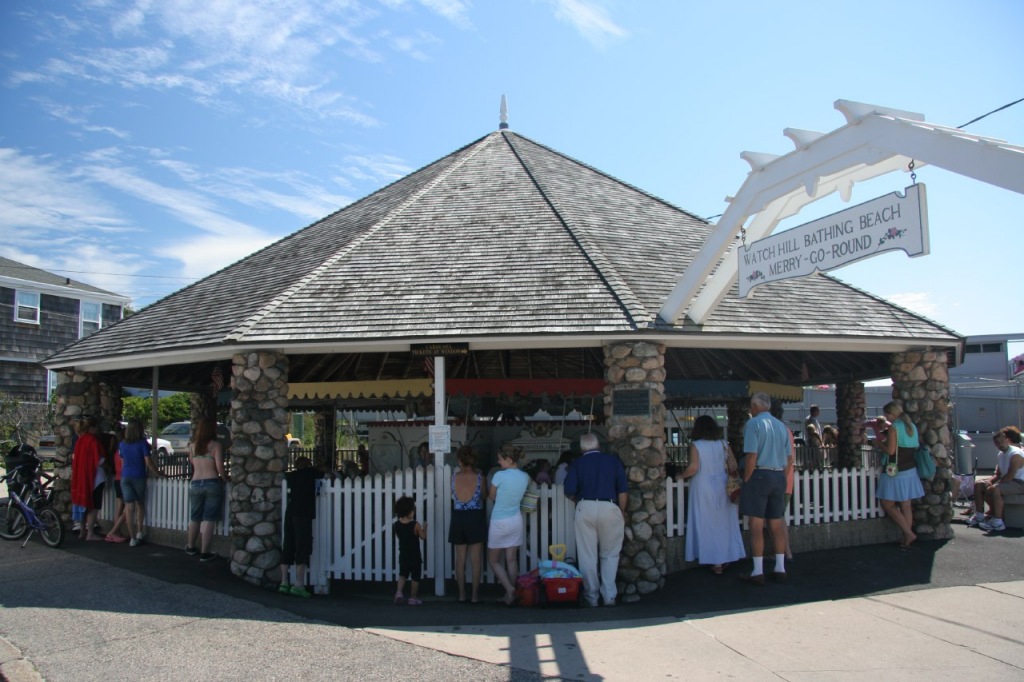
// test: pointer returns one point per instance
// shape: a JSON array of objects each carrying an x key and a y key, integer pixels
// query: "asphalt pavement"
[{"x": 97, "y": 610}]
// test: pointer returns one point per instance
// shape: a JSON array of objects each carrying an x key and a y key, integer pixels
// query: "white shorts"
[{"x": 507, "y": 532}]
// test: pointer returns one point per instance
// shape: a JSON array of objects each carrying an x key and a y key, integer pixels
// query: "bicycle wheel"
[
  {"x": 53, "y": 534},
  {"x": 12, "y": 522}
]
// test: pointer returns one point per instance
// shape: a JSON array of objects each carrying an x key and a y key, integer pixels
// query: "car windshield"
[{"x": 175, "y": 430}]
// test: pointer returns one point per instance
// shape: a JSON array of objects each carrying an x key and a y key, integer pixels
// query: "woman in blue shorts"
[
  {"x": 136, "y": 464},
  {"x": 206, "y": 491}
]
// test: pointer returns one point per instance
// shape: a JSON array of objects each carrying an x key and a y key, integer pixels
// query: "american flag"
[
  {"x": 428, "y": 367},
  {"x": 216, "y": 380}
]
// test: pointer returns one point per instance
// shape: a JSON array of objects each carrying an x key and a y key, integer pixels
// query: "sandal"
[{"x": 116, "y": 538}]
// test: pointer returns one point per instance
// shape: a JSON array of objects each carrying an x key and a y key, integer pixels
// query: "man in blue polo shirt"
[
  {"x": 763, "y": 496},
  {"x": 596, "y": 482}
]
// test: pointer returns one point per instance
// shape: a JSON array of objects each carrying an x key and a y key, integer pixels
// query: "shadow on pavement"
[{"x": 971, "y": 558}]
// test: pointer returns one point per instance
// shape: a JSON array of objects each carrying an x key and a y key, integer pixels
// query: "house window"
[
  {"x": 51, "y": 383},
  {"x": 992, "y": 348},
  {"x": 26, "y": 308},
  {"x": 90, "y": 318}
]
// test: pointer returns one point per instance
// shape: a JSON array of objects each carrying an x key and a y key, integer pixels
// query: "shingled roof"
[{"x": 504, "y": 241}]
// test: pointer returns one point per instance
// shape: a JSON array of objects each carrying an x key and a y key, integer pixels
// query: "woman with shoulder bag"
[
  {"x": 897, "y": 489},
  {"x": 712, "y": 529}
]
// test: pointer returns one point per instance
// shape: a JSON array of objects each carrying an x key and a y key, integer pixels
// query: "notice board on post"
[{"x": 632, "y": 402}]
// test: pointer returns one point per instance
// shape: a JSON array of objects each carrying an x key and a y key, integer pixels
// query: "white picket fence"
[
  {"x": 167, "y": 505},
  {"x": 822, "y": 496},
  {"x": 354, "y": 540}
]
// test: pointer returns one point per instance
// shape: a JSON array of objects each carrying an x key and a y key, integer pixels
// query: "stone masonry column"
[
  {"x": 639, "y": 441},
  {"x": 851, "y": 408},
  {"x": 79, "y": 394},
  {"x": 920, "y": 383},
  {"x": 259, "y": 453}
]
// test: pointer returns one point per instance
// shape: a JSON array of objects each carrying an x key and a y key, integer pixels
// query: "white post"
[
  {"x": 155, "y": 416},
  {"x": 437, "y": 531}
]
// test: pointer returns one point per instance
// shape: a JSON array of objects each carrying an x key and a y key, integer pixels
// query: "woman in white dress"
[{"x": 712, "y": 529}]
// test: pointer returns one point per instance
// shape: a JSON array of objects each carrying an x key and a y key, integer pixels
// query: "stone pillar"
[
  {"x": 639, "y": 442},
  {"x": 737, "y": 412},
  {"x": 920, "y": 383},
  {"x": 259, "y": 453},
  {"x": 850, "y": 413},
  {"x": 79, "y": 394}
]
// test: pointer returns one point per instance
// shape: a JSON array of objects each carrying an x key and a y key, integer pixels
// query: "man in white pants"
[{"x": 597, "y": 484}]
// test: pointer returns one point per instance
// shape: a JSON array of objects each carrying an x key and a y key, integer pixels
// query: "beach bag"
[
  {"x": 732, "y": 487},
  {"x": 733, "y": 482},
  {"x": 528, "y": 505},
  {"x": 889, "y": 465},
  {"x": 925, "y": 462}
]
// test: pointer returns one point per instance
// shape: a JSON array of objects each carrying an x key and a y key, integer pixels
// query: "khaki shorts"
[{"x": 1014, "y": 487}]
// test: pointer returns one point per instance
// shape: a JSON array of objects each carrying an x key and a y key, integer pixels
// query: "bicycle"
[
  {"x": 46, "y": 521},
  {"x": 26, "y": 478}
]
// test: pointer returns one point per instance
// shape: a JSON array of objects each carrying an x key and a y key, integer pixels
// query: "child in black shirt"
[
  {"x": 410, "y": 560},
  {"x": 298, "y": 525}
]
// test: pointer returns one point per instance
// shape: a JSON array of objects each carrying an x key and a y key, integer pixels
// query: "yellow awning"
[{"x": 781, "y": 391}]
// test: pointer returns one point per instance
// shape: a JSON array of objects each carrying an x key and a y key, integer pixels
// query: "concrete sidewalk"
[
  {"x": 916, "y": 635},
  {"x": 101, "y": 611}
]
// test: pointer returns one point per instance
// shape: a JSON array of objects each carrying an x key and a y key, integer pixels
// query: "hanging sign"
[
  {"x": 884, "y": 224},
  {"x": 438, "y": 349}
]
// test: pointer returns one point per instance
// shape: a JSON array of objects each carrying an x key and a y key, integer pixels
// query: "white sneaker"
[
  {"x": 992, "y": 525},
  {"x": 134, "y": 543},
  {"x": 975, "y": 521}
]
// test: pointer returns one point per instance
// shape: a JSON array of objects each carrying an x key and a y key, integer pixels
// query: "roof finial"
[{"x": 504, "y": 114}]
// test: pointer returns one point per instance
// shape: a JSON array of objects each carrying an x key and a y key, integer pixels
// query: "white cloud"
[
  {"x": 454, "y": 11},
  {"x": 206, "y": 254},
  {"x": 187, "y": 206},
  {"x": 376, "y": 167},
  {"x": 46, "y": 202},
  {"x": 590, "y": 20},
  {"x": 916, "y": 301}
]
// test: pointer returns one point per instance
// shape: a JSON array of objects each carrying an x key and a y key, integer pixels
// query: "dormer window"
[
  {"x": 91, "y": 318},
  {"x": 26, "y": 307}
]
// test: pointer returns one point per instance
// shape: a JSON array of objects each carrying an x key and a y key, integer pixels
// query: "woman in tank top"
[{"x": 468, "y": 528}]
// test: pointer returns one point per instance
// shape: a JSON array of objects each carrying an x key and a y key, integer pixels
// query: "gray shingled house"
[
  {"x": 536, "y": 267},
  {"x": 44, "y": 312}
]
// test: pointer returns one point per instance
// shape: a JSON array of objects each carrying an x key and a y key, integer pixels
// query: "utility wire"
[{"x": 1005, "y": 106}]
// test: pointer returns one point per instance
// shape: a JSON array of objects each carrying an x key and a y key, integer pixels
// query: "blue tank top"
[{"x": 474, "y": 503}]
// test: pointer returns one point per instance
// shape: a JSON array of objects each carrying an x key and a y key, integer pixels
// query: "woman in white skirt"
[{"x": 897, "y": 493}]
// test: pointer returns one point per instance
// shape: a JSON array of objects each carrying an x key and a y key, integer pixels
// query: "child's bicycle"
[{"x": 19, "y": 520}]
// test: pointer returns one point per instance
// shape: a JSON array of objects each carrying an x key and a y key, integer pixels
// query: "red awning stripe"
[{"x": 524, "y": 387}]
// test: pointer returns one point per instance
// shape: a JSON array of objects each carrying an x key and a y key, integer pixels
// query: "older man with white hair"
[
  {"x": 596, "y": 482},
  {"x": 763, "y": 496}
]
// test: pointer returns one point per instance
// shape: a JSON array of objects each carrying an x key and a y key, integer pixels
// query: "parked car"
[
  {"x": 163, "y": 447},
  {"x": 180, "y": 433},
  {"x": 47, "y": 448}
]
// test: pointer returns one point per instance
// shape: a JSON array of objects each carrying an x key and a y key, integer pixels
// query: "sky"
[{"x": 147, "y": 143}]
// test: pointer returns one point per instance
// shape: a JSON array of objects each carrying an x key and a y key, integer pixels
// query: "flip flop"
[{"x": 116, "y": 538}]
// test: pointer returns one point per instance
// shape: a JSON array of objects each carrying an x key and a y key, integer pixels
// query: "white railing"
[
  {"x": 167, "y": 505},
  {"x": 823, "y": 496},
  {"x": 353, "y": 537}
]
